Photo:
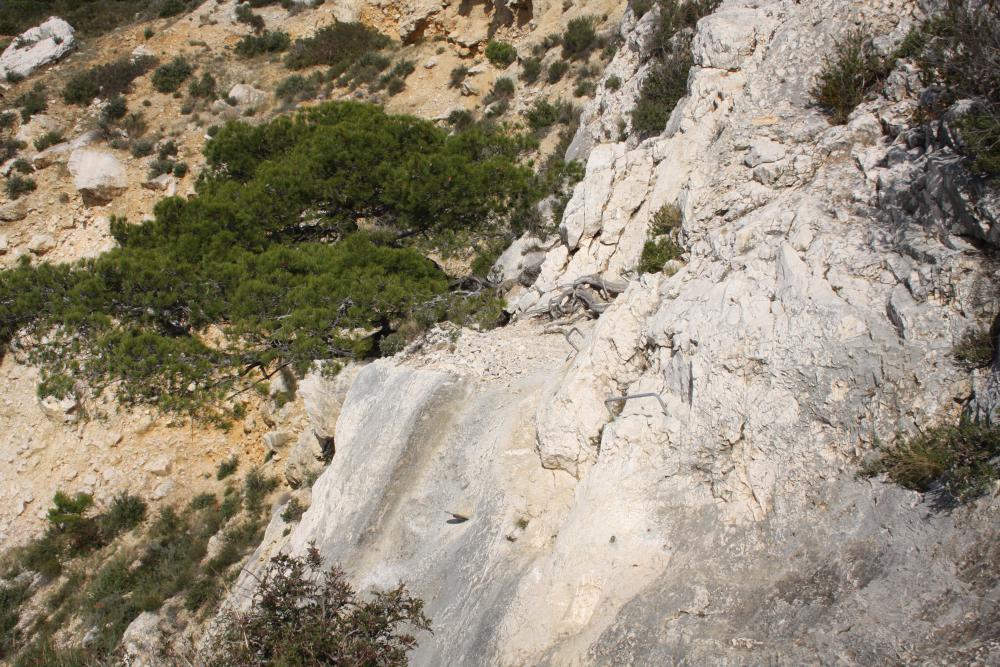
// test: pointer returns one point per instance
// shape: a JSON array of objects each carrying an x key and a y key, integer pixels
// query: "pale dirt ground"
[{"x": 111, "y": 451}]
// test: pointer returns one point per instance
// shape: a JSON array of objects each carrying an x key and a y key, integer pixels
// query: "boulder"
[
  {"x": 247, "y": 96},
  {"x": 97, "y": 175},
  {"x": 13, "y": 211},
  {"x": 305, "y": 459},
  {"x": 39, "y": 124},
  {"x": 162, "y": 183},
  {"x": 142, "y": 640},
  {"x": 61, "y": 153},
  {"x": 41, "y": 244},
  {"x": 159, "y": 466},
  {"x": 37, "y": 47},
  {"x": 64, "y": 410}
]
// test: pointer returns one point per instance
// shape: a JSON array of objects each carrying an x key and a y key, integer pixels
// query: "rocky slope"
[{"x": 717, "y": 516}]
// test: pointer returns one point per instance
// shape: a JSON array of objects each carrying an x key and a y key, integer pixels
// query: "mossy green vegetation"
[
  {"x": 666, "y": 82},
  {"x": 298, "y": 246},
  {"x": 960, "y": 463}
]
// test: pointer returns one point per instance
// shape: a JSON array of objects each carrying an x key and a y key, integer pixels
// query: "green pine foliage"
[{"x": 297, "y": 246}]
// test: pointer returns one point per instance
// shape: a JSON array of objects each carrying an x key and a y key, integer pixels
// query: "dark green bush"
[
  {"x": 245, "y": 15},
  {"x": 142, "y": 147},
  {"x": 461, "y": 119},
  {"x": 977, "y": 348},
  {"x": 666, "y": 81},
  {"x": 531, "y": 68},
  {"x": 114, "y": 110},
  {"x": 853, "y": 72},
  {"x": 125, "y": 513},
  {"x": 168, "y": 78},
  {"x": 18, "y": 185},
  {"x": 458, "y": 76},
  {"x": 256, "y": 486},
  {"x": 22, "y": 166},
  {"x": 50, "y": 138},
  {"x": 579, "y": 38},
  {"x": 12, "y": 596},
  {"x": 584, "y": 89},
  {"x": 7, "y": 120},
  {"x": 298, "y": 87},
  {"x": 293, "y": 511},
  {"x": 172, "y": 8},
  {"x": 89, "y": 17},
  {"x": 557, "y": 70},
  {"x": 364, "y": 70},
  {"x": 957, "y": 51},
  {"x": 270, "y": 41},
  {"x": 9, "y": 148},
  {"x": 613, "y": 82},
  {"x": 32, "y": 102},
  {"x": 205, "y": 87},
  {"x": 106, "y": 80},
  {"x": 228, "y": 467},
  {"x": 301, "y": 614},
  {"x": 544, "y": 114},
  {"x": 340, "y": 44},
  {"x": 501, "y": 54},
  {"x": 503, "y": 88},
  {"x": 960, "y": 461}
]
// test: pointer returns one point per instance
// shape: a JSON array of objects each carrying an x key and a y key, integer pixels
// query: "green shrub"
[
  {"x": 666, "y": 81},
  {"x": 503, "y": 88},
  {"x": 50, "y": 138},
  {"x": 613, "y": 82},
  {"x": 32, "y": 102},
  {"x": 364, "y": 70},
  {"x": 256, "y": 486},
  {"x": 168, "y": 78},
  {"x": 293, "y": 511},
  {"x": 7, "y": 120},
  {"x": 458, "y": 76},
  {"x": 579, "y": 38},
  {"x": 9, "y": 148},
  {"x": 297, "y": 87},
  {"x": 655, "y": 254},
  {"x": 18, "y": 185},
  {"x": 960, "y": 461},
  {"x": 531, "y": 68},
  {"x": 125, "y": 513},
  {"x": 105, "y": 80},
  {"x": 204, "y": 88},
  {"x": 584, "y": 89},
  {"x": 301, "y": 614},
  {"x": 544, "y": 114},
  {"x": 228, "y": 467},
  {"x": 142, "y": 147},
  {"x": 22, "y": 166},
  {"x": 270, "y": 41},
  {"x": 501, "y": 54},
  {"x": 246, "y": 16},
  {"x": 172, "y": 8},
  {"x": 461, "y": 119},
  {"x": 394, "y": 80},
  {"x": 338, "y": 45},
  {"x": 114, "y": 110},
  {"x": 12, "y": 596},
  {"x": 180, "y": 169},
  {"x": 557, "y": 70},
  {"x": 854, "y": 71},
  {"x": 976, "y": 349}
]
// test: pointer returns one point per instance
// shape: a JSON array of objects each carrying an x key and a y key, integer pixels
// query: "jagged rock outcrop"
[
  {"x": 37, "y": 47},
  {"x": 682, "y": 487}
]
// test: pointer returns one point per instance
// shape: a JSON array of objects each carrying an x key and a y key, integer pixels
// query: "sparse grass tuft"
[{"x": 961, "y": 462}]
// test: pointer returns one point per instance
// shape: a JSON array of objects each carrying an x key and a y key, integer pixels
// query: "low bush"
[
  {"x": 125, "y": 513},
  {"x": 579, "y": 38},
  {"x": 613, "y": 82},
  {"x": 106, "y": 80},
  {"x": 364, "y": 70},
  {"x": 503, "y": 88},
  {"x": 270, "y": 41},
  {"x": 584, "y": 89},
  {"x": 544, "y": 114},
  {"x": 50, "y": 138},
  {"x": 9, "y": 148},
  {"x": 245, "y": 15},
  {"x": 142, "y": 147},
  {"x": 7, "y": 120},
  {"x": 461, "y": 119},
  {"x": 22, "y": 166},
  {"x": 301, "y": 614},
  {"x": 298, "y": 87},
  {"x": 531, "y": 68},
  {"x": 458, "y": 76},
  {"x": 293, "y": 511},
  {"x": 850, "y": 75},
  {"x": 12, "y": 596},
  {"x": 227, "y": 467},
  {"x": 666, "y": 80},
  {"x": 960, "y": 463},
  {"x": 662, "y": 246},
  {"x": 32, "y": 102},
  {"x": 168, "y": 78},
  {"x": 256, "y": 486},
  {"x": 977, "y": 348},
  {"x": 204, "y": 87},
  {"x": 18, "y": 185},
  {"x": 501, "y": 54},
  {"x": 89, "y": 17},
  {"x": 557, "y": 71},
  {"x": 340, "y": 45}
]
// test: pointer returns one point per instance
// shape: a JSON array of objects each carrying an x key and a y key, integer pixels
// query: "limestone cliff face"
[{"x": 721, "y": 519}]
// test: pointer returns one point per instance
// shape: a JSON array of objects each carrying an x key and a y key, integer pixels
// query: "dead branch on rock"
[{"x": 583, "y": 294}]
